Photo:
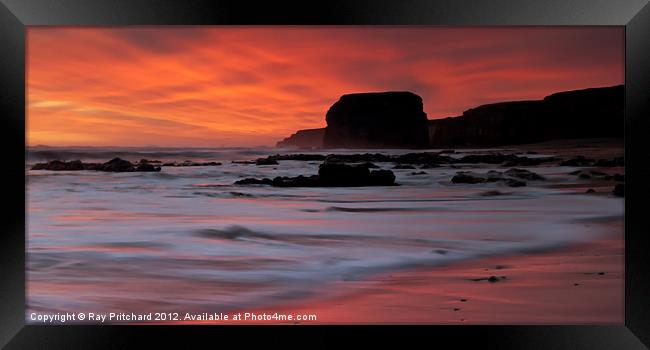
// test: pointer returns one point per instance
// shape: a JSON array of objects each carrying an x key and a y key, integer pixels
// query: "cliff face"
[
  {"x": 377, "y": 120},
  {"x": 396, "y": 120},
  {"x": 308, "y": 138},
  {"x": 585, "y": 113}
]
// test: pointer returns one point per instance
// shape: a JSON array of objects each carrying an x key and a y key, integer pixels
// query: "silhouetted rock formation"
[
  {"x": 588, "y": 113},
  {"x": 309, "y": 138},
  {"x": 331, "y": 174},
  {"x": 396, "y": 120},
  {"x": 114, "y": 165},
  {"x": 377, "y": 120}
]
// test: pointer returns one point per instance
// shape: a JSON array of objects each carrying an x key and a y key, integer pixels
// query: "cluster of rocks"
[
  {"x": 113, "y": 165},
  {"x": 513, "y": 177},
  {"x": 409, "y": 160},
  {"x": 584, "y": 174},
  {"x": 584, "y": 161},
  {"x": 331, "y": 174},
  {"x": 619, "y": 188}
]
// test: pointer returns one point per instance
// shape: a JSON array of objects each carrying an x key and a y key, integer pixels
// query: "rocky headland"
[{"x": 397, "y": 120}]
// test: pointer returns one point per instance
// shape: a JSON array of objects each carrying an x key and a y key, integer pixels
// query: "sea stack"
[{"x": 393, "y": 119}]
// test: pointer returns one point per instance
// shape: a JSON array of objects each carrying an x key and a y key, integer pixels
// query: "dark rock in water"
[
  {"x": 463, "y": 177},
  {"x": 491, "y": 279},
  {"x": 577, "y": 161},
  {"x": 590, "y": 190},
  {"x": 523, "y": 174},
  {"x": 57, "y": 165},
  {"x": 584, "y": 176},
  {"x": 419, "y": 173},
  {"x": 504, "y": 159},
  {"x": 370, "y": 165},
  {"x": 244, "y": 162},
  {"x": 526, "y": 161},
  {"x": 113, "y": 165},
  {"x": 423, "y": 158},
  {"x": 619, "y": 190},
  {"x": 298, "y": 181},
  {"x": 252, "y": 181},
  {"x": 469, "y": 177},
  {"x": 577, "y": 172},
  {"x": 588, "y": 113},
  {"x": 496, "y": 158},
  {"x": 377, "y": 120},
  {"x": 118, "y": 165},
  {"x": 340, "y": 174},
  {"x": 331, "y": 174},
  {"x": 309, "y": 138},
  {"x": 403, "y": 166},
  {"x": 610, "y": 162},
  {"x": 382, "y": 178},
  {"x": 146, "y": 167},
  {"x": 144, "y": 160},
  {"x": 266, "y": 161}
]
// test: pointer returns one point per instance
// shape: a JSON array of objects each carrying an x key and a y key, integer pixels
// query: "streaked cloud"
[{"x": 244, "y": 86}]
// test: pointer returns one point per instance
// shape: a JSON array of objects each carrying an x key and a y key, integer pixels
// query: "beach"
[{"x": 539, "y": 244}]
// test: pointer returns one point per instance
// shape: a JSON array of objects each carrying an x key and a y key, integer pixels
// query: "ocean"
[{"x": 186, "y": 239}]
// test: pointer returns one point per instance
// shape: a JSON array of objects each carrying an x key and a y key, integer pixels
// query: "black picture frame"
[{"x": 634, "y": 15}]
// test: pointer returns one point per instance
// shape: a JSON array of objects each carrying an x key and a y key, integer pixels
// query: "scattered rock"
[
  {"x": 113, "y": 165},
  {"x": 577, "y": 161},
  {"x": 491, "y": 279},
  {"x": 419, "y": 173},
  {"x": 523, "y": 174},
  {"x": 610, "y": 162},
  {"x": 57, "y": 165},
  {"x": 298, "y": 181},
  {"x": 252, "y": 181},
  {"x": 590, "y": 190},
  {"x": 331, "y": 174},
  {"x": 266, "y": 161},
  {"x": 491, "y": 176}
]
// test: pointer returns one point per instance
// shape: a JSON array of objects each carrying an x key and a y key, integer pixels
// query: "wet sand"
[{"x": 574, "y": 285}]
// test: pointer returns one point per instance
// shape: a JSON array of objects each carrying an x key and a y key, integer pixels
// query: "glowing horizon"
[{"x": 253, "y": 86}]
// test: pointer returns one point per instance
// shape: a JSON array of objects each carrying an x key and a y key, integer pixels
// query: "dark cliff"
[
  {"x": 396, "y": 120},
  {"x": 596, "y": 112},
  {"x": 377, "y": 120},
  {"x": 308, "y": 138}
]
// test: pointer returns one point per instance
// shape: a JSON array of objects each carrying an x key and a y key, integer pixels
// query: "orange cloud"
[{"x": 246, "y": 86}]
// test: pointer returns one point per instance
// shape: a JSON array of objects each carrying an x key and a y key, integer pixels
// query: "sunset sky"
[{"x": 248, "y": 86}]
